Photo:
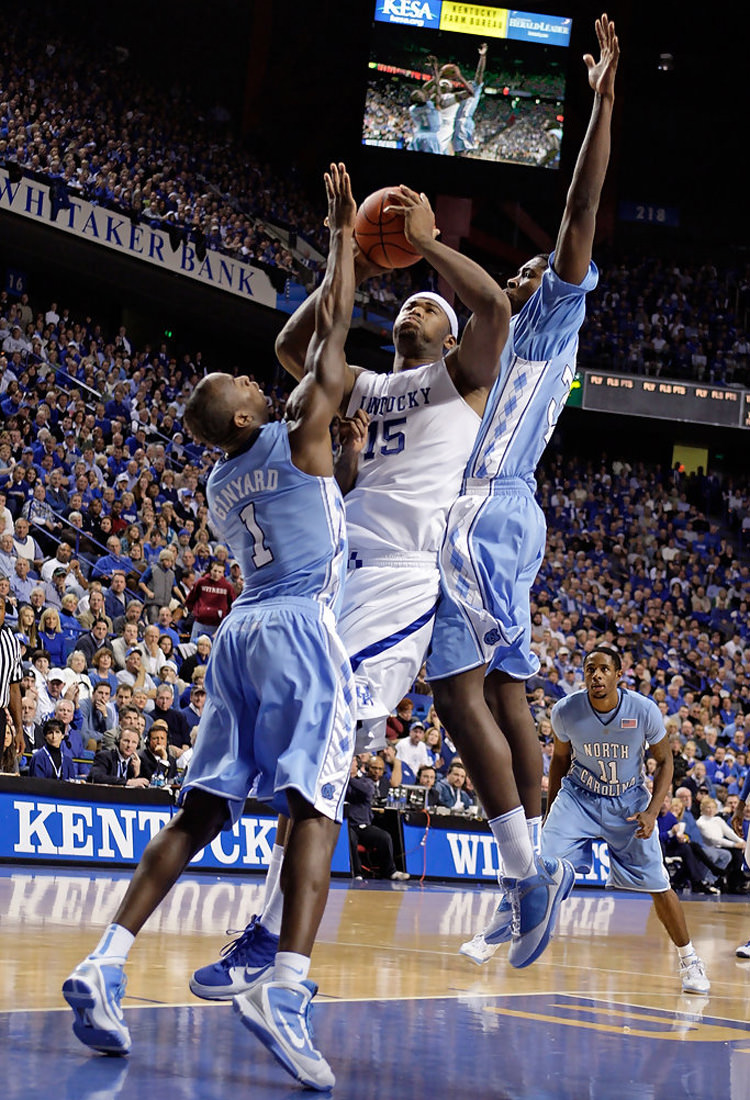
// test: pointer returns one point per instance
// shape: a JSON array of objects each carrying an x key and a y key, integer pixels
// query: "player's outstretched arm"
[
  {"x": 293, "y": 341},
  {"x": 474, "y": 363},
  {"x": 481, "y": 64},
  {"x": 575, "y": 238},
  {"x": 316, "y": 400}
]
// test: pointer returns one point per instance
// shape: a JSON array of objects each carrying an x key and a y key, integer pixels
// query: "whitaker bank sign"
[{"x": 108, "y": 229}]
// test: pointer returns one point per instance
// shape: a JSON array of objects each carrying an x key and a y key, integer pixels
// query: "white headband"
[{"x": 446, "y": 307}]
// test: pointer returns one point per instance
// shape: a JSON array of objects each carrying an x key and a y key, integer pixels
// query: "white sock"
[
  {"x": 114, "y": 944},
  {"x": 290, "y": 967},
  {"x": 534, "y": 825},
  {"x": 512, "y": 838},
  {"x": 270, "y": 916},
  {"x": 686, "y": 951}
]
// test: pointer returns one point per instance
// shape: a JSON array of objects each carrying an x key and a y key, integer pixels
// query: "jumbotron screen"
[{"x": 467, "y": 80}]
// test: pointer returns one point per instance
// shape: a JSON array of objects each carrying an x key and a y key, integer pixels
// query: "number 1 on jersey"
[{"x": 261, "y": 554}]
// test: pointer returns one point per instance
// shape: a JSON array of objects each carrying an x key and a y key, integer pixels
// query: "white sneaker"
[
  {"x": 483, "y": 946},
  {"x": 478, "y": 950},
  {"x": 693, "y": 975},
  {"x": 400, "y": 876},
  {"x": 94, "y": 991},
  {"x": 743, "y": 951},
  {"x": 279, "y": 1014}
]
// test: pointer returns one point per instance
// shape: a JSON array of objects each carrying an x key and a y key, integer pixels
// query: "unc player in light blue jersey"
[
  {"x": 597, "y": 791},
  {"x": 481, "y": 647},
  {"x": 279, "y": 715},
  {"x": 418, "y": 426},
  {"x": 425, "y": 120}
]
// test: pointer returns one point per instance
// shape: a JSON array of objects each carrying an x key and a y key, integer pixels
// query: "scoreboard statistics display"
[{"x": 665, "y": 399}]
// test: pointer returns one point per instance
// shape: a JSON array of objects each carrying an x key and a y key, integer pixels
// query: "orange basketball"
[{"x": 380, "y": 236}]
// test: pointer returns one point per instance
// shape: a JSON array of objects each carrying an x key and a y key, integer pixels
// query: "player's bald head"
[{"x": 223, "y": 410}]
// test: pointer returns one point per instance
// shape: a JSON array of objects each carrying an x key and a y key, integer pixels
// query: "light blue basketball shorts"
[
  {"x": 578, "y": 817},
  {"x": 279, "y": 710},
  {"x": 492, "y": 551}
]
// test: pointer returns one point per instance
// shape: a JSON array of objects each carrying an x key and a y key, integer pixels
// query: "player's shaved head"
[
  {"x": 605, "y": 650},
  {"x": 222, "y": 412}
]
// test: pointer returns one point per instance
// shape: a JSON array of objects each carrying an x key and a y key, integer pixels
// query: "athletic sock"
[
  {"x": 512, "y": 838},
  {"x": 114, "y": 944},
  {"x": 290, "y": 967},
  {"x": 270, "y": 916},
  {"x": 534, "y": 825},
  {"x": 686, "y": 951}
]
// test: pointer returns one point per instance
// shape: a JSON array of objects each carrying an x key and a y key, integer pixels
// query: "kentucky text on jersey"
[
  {"x": 380, "y": 406},
  {"x": 255, "y": 481}
]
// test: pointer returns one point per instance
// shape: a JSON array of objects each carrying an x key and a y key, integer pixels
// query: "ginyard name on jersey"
[
  {"x": 240, "y": 488},
  {"x": 381, "y": 406}
]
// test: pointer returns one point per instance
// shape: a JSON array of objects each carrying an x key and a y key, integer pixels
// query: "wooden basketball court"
[{"x": 399, "y": 1013}]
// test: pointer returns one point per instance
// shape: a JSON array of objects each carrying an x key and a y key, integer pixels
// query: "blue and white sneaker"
[
  {"x": 94, "y": 991},
  {"x": 279, "y": 1014},
  {"x": 484, "y": 944},
  {"x": 743, "y": 951},
  {"x": 536, "y": 901},
  {"x": 245, "y": 962}
]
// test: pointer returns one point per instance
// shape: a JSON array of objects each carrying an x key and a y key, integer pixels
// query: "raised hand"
[
  {"x": 602, "y": 72},
  {"x": 342, "y": 208},
  {"x": 419, "y": 219}
]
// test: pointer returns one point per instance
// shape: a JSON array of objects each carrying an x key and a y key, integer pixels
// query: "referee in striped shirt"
[{"x": 11, "y": 675}]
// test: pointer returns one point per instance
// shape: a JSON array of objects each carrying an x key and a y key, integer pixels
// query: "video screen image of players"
[{"x": 457, "y": 95}]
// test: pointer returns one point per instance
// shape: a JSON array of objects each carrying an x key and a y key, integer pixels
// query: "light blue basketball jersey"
[
  {"x": 425, "y": 120},
  {"x": 608, "y": 750},
  {"x": 286, "y": 528},
  {"x": 537, "y": 367},
  {"x": 463, "y": 126}
]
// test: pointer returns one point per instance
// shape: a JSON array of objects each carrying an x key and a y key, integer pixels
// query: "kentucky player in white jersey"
[
  {"x": 279, "y": 715},
  {"x": 418, "y": 426},
  {"x": 423, "y": 421},
  {"x": 597, "y": 791},
  {"x": 481, "y": 647}
]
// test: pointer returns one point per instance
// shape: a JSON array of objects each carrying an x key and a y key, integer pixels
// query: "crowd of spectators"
[
  {"x": 77, "y": 113},
  {"x": 681, "y": 321},
  {"x": 111, "y": 141},
  {"x": 114, "y": 583},
  {"x": 111, "y": 576}
]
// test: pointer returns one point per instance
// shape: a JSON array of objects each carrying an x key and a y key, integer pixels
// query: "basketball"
[{"x": 380, "y": 236}]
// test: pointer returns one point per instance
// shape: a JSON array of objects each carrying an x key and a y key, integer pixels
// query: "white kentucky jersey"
[
  {"x": 420, "y": 435},
  {"x": 286, "y": 528},
  {"x": 608, "y": 749},
  {"x": 537, "y": 367}
]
